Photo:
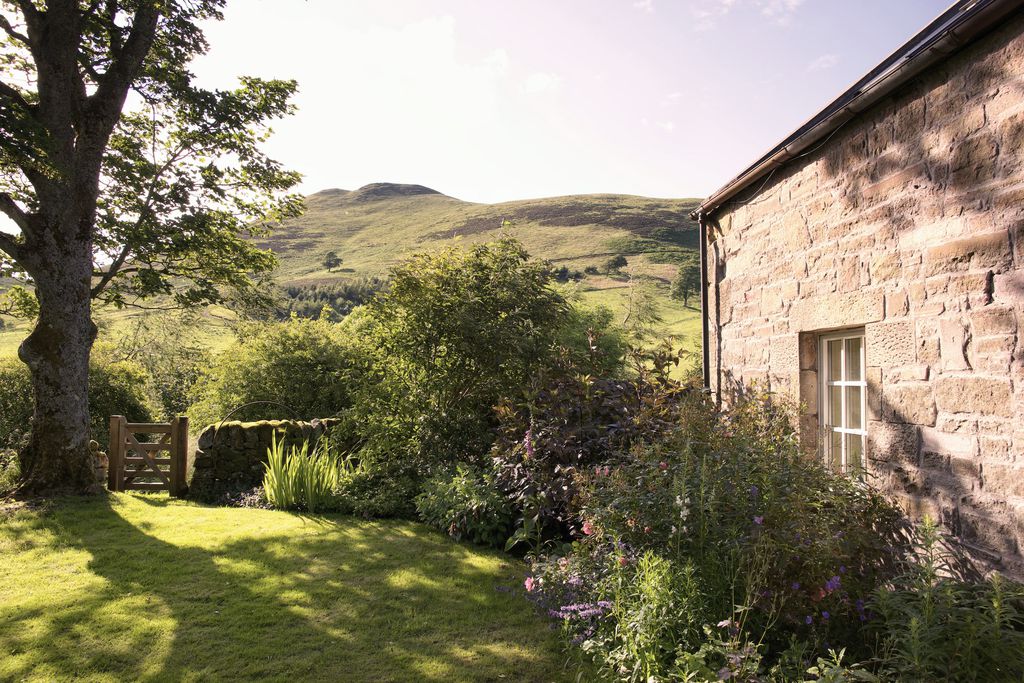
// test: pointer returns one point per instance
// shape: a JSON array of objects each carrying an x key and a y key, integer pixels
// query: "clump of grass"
[{"x": 300, "y": 478}]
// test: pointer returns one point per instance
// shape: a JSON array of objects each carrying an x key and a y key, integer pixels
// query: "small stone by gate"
[{"x": 142, "y": 465}]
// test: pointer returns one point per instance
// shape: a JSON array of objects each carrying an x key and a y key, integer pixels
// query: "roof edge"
[{"x": 959, "y": 25}]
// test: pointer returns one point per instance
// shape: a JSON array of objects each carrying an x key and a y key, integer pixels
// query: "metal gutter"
[
  {"x": 960, "y": 24},
  {"x": 704, "y": 320}
]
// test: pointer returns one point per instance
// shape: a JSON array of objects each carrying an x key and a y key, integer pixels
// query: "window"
[{"x": 844, "y": 400}]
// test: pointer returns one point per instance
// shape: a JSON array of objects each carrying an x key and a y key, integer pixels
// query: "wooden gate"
[{"x": 142, "y": 465}]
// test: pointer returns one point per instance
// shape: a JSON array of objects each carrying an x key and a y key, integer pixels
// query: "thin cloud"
[
  {"x": 706, "y": 13},
  {"x": 823, "y": 62},
  {"x": 541, "y": 82},
  {"x": 644, "y": 6}
]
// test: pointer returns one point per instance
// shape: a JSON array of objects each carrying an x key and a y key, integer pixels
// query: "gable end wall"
[{"x": 908, "y": 222}]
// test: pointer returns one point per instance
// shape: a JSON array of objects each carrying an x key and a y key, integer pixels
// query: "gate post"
[
  {"x": 115, "y": 456},
  {"x": 179, "y": 456}
]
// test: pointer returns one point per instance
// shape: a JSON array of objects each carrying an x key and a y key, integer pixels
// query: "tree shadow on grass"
[{"x": 336, "y": 600}]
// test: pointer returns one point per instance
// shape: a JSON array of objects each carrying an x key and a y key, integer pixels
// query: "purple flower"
[
  {"x": 825, "y": 616},
  {"x": 808, "y": 620},
  {"x": 528, "y": 442},
  {"x": 724, "y": 674},
  {"x": 754, "y": 490},
  {"x": 842, "y": 569},
  {"x": 795, "y": 586},
  {"x": 759, "y": 519},
  {"x": 833, "y": 584}
]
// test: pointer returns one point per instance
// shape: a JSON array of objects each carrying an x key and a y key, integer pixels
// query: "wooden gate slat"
[
  {"x": 131, "y": 459},
  {"x": 133, "y": 444}
]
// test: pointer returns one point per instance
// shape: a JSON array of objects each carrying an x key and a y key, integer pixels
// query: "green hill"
[{"x": 378, "y": 225}]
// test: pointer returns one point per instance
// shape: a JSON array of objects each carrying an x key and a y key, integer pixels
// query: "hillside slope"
[{"x": 373, "y": 228}]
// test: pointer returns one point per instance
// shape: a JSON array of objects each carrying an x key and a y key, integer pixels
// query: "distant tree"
[
  {"x": 687, "y": 282},
  {"x": 591, "y": 270},
  {"x": 615, "y": 263},
  {"x": 331, "y": 260},
  {"x": 116, "y": 203}
]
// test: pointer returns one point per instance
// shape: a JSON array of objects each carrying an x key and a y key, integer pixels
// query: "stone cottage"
[{"x": 871, "y": 267}]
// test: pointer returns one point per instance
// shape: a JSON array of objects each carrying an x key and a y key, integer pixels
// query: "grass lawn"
[{"x": 145, "y": 587}]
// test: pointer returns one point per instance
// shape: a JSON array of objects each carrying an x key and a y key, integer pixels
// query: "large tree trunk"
[{"x": 58, "y": 457}]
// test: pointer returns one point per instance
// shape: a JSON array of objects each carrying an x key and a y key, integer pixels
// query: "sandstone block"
[
  {"x": 838, "y": 310},
  {"x": 991, "y": 250},
  {"x": 1007, "y": 480},
  {"x": 908, "y": 373},
  {"x": 992, "y": 321},
  {"x": 892, "y": 442},
  {"x": 941, "y": 443},
  {"x": 896, "y": 304},
  {"x": 890, "y": 343},
  {"x": 982, "y": 395},
  {"x": 953, "y": 344},
  {"x": 873, "y": 377},
  {"x": 912, "y": 403},
  {"x": 1009, "y": 288}
]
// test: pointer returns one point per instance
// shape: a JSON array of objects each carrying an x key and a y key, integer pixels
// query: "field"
[
  {"x": 144, "y": 587},
  {"x": 375, "y": 227}
]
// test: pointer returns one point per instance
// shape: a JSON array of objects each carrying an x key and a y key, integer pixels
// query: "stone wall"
[
  {"x": 231, "y": 458},
  {"x": 909, "y": 223}
]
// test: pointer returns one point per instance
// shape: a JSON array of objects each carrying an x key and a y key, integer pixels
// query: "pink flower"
[
  {"x": 623, "y": 561},
  {"x": 588, "y": 528},
  {"x": 662, "y": 465},
  {"x": 607, "y": 470},
  {"x": 530, "y": 584}
]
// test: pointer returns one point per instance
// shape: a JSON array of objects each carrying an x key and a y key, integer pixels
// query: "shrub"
[
  {"x": 763, "y": 545},
  {"x": 10, "y": 470},
  {"x": 466, "y": 504},
  {"x": 301, "y": 479},
  {"x": 116, "y": 387},
  {"x": 615, "y": 263},
  {"x": 936, "y": 626},
  {"x": 302, "y": 367},
  {"x": 459, "y": 331},
  {"x": 385, "y": 488},
  {"x": 573, "y": 420}
]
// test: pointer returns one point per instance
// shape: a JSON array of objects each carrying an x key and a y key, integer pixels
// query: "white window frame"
[{"x": 825, "y": 406}]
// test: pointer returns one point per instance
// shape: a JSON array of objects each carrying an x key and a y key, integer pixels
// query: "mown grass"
[{"x": 144, "y": 587}]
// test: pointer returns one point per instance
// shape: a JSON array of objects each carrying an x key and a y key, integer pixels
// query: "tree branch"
[
  {"x": 111, "y": 272},
  {"x": 9, "y": 245},
  {"x": 11, "y": 31},
  {"x": 11, "y": 209}
]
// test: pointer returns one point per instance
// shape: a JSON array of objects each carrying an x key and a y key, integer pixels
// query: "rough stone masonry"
[{"x": 909, "y": 223}]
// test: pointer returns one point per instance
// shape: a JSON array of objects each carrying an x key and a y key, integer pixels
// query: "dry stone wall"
[
  {"x": 231, "y": 457},
  {"x": 908, "y": 223}
]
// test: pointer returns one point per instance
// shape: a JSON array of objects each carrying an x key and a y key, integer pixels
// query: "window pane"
[
  {"x": 835, "y": 360},
  {"x": 854, "y": 453},
  {"x": 835, "y": 454},
  {"x": 853, "y": 369},
  {"x": 835, "y": 406},
  {"x": 854, "y": 418}
]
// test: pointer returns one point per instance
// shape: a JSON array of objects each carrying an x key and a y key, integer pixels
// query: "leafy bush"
[
  {"x": 304, "y": 367},
  {"x": 381, "y": 489},
  {"x": 168, "y": 348},
  {"x": 300, "y": 479},
  {"x": 10, "y": 470},
  {"x": 725, "y": 516},
  {"x": 936, "y": 626},
  {"x": 116, "y": 387},
  {"x": 459, "y": 331},
  {"x": 467, "y": 505},
  {"x": 573, "y": 420}
]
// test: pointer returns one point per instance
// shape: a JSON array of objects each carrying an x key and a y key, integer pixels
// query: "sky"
[{"x": 491, "y": 101}]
